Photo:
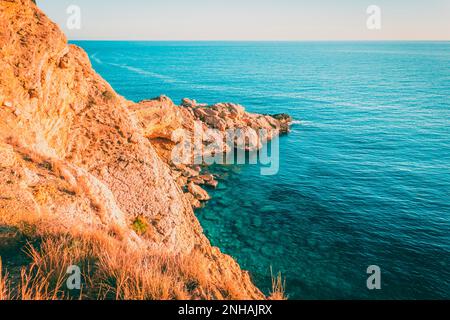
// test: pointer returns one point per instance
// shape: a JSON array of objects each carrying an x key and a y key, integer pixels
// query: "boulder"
[
  {"x": 160, "y": 117},
  {"x": 182, "y": 181},
  {"x": 216, "y": 122},
  {"x": 186, "y": 102},
  {"x": 197, "y": 180},
  {"x": 199, "y": 193},
  {"x": 200, "y": 113},
  {"x": 196, "y": 204},
  {"x": 189, "y": 172},
  {"x": 207, "y": 177},
  {"x": 212, "y": 183},
  {"x": 236, "y": 109},
  {"x": 284, "y": 120}
]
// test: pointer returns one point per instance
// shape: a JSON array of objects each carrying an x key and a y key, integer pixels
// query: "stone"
[
  {"x": 216, "y": 122},
  {"x": 284, "y": 120},
  {"x": 134, "y": 138},
  {"x": 247, "y": 138},
  {"x": 196, "y": 204},
  {"x": 160, "y": 117},
  {"x": 188, "y": 172},
  {"x": 200, "y": 113},
  {"x": 236, "y": 109},
  {"x": 199, "y": 193},
  {"x": 186, "y": 102},
  {"x": 271, "y": 121},
  {"x": 207, "y": 177},
  {"x": 211, "y": 112},
  {"x": 197, "y": 180},
  {"x": 182, "y": 181}
]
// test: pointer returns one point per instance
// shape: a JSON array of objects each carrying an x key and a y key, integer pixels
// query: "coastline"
[
  {"x": 87, "y": 169},
  {"x": 206, "y": 134}
]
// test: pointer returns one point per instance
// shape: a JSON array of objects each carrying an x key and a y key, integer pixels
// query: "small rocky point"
[{"x": 161, "y": 117}]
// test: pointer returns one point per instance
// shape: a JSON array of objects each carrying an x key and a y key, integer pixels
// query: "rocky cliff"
[{"x": 77, "y": 159}]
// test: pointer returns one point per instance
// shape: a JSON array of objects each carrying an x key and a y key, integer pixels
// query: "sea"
[{"x": 364, "y": 176}]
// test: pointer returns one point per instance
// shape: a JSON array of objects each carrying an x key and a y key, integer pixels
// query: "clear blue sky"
[{"x": 253, "y": 19}]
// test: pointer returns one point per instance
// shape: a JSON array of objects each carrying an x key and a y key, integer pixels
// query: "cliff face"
[
  {"x": 77, "y": 158},
  {"x": 56, "y": 106}
]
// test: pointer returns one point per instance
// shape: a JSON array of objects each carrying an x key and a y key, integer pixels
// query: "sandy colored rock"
[
  {"x": 207, "y": 177},
  {"x": 199, "y": 193},
  {"x": 197, "y": 180},
  {"x": 212, "y": 183},
  {"x": 186, "y": 102},
  {"x": 196, "y": 204},
  {"x": 159, "y": 117}
]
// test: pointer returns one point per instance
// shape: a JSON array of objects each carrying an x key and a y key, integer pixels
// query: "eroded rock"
[{"x": 199, "y": 193}]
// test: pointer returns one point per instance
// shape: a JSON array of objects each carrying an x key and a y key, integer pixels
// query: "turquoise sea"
[{"x": 364, "y": 176}]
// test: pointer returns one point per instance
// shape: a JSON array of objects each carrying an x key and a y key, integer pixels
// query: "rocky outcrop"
[
  {"x": 160, "y": 118},
  {"x": 76, "y": 157}
]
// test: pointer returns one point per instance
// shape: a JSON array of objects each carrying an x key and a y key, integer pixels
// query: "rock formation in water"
[
  {"x": 160, "y": 119},
  {"x": 78, "y": 161}
]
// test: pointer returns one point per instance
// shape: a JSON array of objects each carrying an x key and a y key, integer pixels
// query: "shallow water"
[{"x": 364, "y": 176}]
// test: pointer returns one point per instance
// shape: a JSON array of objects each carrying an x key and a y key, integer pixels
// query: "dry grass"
[
  {"x": 114, "y": 264},
  {"x": 35, "y": 285},
  {"x": 278, "y": 287},
  {"x": 111, "y": 270},
  {"x": 4, "y": 284}
]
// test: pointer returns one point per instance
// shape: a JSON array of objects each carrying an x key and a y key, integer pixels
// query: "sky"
[{"x": 251, "y": 19}]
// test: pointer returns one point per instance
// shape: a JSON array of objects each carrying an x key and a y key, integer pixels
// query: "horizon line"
[{"x": 268, "y": 40}]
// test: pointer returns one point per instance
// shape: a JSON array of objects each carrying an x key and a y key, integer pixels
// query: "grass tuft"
[
  {"x": 4, "y": 284},
  {"x": 278, "y": 287}
]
